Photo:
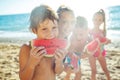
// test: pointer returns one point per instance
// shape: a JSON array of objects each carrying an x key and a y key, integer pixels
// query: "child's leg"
[
  {"x": 67, "y": 77},
  {"x": 92, "y": 61},
  {"x": 68, "y": 73},
  {"x": 103, "y": 64},
  {"x": 78, "y": 75}
]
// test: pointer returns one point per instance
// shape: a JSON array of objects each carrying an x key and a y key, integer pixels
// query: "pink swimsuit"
[{"x": 102, "y": 40}]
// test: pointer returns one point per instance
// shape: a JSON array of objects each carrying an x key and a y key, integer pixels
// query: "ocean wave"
[{"x": 10, "y": 34}]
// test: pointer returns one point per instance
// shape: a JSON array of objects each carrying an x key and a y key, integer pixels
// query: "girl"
[
  {"x": 96, "y": 32},
  {"x": 66, "y": 24},
  {"x": 66, "y": 21},
  {"x": 79, "y": 38}
]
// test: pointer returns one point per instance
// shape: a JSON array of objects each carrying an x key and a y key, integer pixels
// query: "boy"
[{"x": 33, "y": 63}]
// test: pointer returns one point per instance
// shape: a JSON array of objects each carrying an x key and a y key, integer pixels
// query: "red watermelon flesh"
[
  {"x": 51, "y": 45},
  {"x": 92, "y": 46},
  {"x": 101, "y": 38}
]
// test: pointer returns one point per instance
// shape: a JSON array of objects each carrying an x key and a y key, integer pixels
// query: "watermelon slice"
[
  {"x": 101, "y": 38},
  {"x": 51, "y": 45},
  {"x": 93, "y": 46}
]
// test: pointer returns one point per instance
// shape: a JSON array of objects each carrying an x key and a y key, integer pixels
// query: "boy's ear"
[{"x": 34, "y": 30}]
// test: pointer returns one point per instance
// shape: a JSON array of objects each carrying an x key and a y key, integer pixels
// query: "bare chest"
[{"x": 45, "y": 70}]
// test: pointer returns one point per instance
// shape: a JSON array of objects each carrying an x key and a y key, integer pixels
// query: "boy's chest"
[
  {"x": 45, "y": 68},
  {"x": 47, "y": 62}
]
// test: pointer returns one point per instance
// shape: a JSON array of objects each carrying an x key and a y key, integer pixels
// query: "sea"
[{"x": 17, "y": 25}]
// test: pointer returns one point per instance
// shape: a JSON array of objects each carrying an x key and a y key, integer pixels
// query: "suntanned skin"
[
  {"x": 40, "y": 71},
  {"x": 33, "y": 63},
  {"x": 66, "y": 24}
]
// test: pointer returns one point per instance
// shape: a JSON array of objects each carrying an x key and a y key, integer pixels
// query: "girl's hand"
[
  {"x": 109, "y": 41},
  {"x": 60, "y": 55},
  {"x": 36, "y": 54}
]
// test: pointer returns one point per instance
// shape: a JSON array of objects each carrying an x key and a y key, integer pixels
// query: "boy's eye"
[
  {"x": 54, "y": 27},
  {"x": 44, "y": 29}
]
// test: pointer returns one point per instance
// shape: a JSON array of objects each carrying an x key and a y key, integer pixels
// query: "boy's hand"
[
  {"x": 60, "y": 55},
  {"x": 36, "y": 54}
]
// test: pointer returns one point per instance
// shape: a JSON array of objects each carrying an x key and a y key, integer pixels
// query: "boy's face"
[
  {"x": 66, "y": 23},
  {"x": 98, "y": 20},
  {"x": 47, "y": 29}
]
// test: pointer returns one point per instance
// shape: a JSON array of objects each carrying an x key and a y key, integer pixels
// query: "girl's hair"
[
  {"x": 62, "y": 9},
  {"x": 39, "y": 14},
  {"x": 81, "y": 22},
  {"x": 101, "y": 11}
]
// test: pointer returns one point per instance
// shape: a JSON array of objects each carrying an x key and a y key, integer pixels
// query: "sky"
[
  {"x": 79, "y": 6},
  {"x": 84, "y": 8}
]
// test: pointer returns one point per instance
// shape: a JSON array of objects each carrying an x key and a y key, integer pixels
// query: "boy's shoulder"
[
  {"x": 25, "y": 48},
  {"x": 27, "y": 45}
]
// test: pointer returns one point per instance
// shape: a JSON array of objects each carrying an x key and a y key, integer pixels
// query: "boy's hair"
[
  {"x": 39, "y": 14},
  {"x": 101, "y": 11},
  {"x": 81, "y": 22},
  {"x": 62, "y": 9}
]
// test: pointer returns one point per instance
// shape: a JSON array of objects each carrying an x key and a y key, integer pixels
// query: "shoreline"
[{"x": 14, "y": 40}]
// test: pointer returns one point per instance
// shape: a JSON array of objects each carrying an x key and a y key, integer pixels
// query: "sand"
[{"x": 9, "y": 66}]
